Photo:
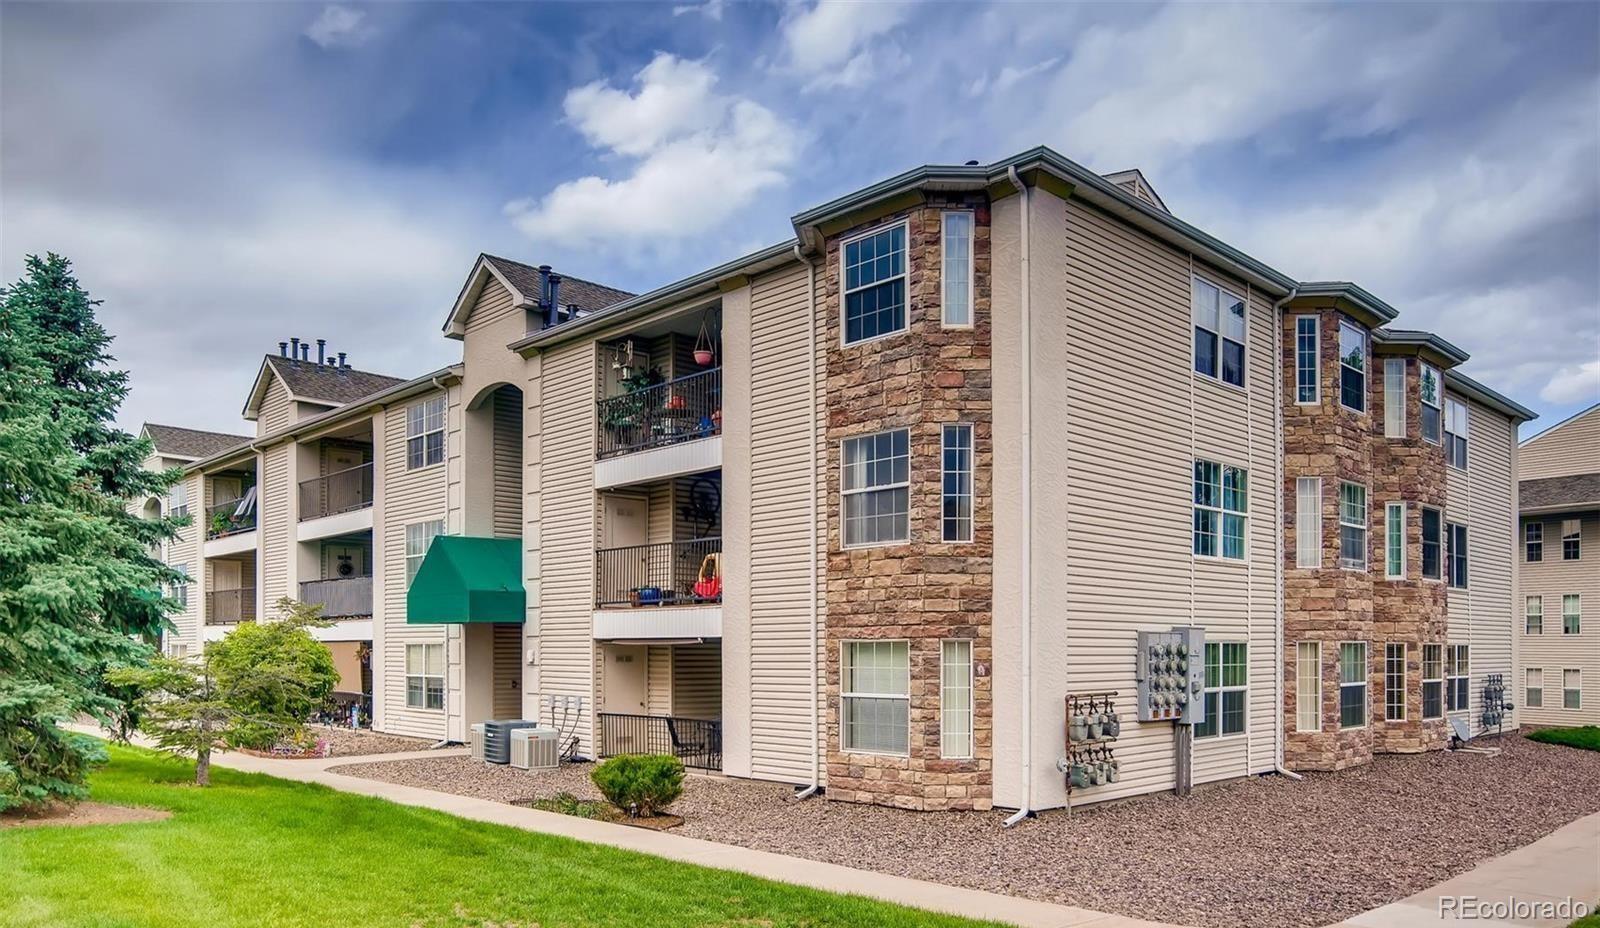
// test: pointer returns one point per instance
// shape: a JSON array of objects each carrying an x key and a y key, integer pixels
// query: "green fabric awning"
[{"x": 466, "y": 579}]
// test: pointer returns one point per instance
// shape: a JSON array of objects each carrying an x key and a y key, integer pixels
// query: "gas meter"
[{"x": 1171, "y": 675}]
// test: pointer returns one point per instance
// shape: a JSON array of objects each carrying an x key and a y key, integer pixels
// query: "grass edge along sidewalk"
[{"x": 254, "y": 849}]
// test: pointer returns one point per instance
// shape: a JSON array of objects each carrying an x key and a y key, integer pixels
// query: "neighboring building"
[
  {"x": 1558, "y": 561},
  {"x": 862, "y": 510}
]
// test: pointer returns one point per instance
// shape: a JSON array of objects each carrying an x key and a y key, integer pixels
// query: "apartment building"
[
  {"x": 867, "y": 510},
  {"x": 1557, "y": 555}
]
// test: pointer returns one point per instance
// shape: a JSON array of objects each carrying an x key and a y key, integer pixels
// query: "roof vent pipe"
[
  {"x": 553, "y": 314},
  {"x": 343, "y": 366},
  {"x": 294, "y": 349},
  {"x": 322, "y": 351},
  {"x": 305, "y": 350},
  {"x": 544, "y": 285},
  {"x": 283, "y": 349}
]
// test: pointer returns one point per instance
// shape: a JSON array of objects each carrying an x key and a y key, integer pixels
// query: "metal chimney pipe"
[
  {"x": 294, "y": 348},
  {"x": 283, "y": 349},
  {"x": 544, "y": 286},
  {"x": 554, "y": 315},
  {"x": 342, "y": 365},
  {"x": 322, "y": 351},
  {"x": 305, "y": 350}
]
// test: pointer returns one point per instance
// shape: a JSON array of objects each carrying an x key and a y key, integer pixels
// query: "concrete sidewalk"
[
  {"x": 920, "y": 894},
  {"x": 1563, "y": 865}
]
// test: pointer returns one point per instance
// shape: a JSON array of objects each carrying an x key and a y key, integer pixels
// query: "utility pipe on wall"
[
  {"x": 1026, "y": 808},
  {"x": 1277, "y": 418},
  {"x": 811, "y": 373}
]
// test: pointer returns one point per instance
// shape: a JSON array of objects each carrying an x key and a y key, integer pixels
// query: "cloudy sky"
[{"x": 229, "y": 175}]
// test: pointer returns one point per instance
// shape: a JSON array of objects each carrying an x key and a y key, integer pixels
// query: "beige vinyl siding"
[
  {"x": 1482, "y": 498},
  {"x": 1567, "y": 449},
  {"x": 658, "y": 680},
  {"x": 276, "y": 410},
  {"x": 697, "y": 680},
  {"x": 185, "y": 549},
  {"x": 409, "y": 496},
  {"x": 507, "y": 644},
  {"x": 659, "y": 515},
  {"x": 567, "y": 656},
  {"x": 781, "y": 446},
  {"x": 1553, "y": 578},
  {"x": 277, "y": 526},
  {"x": 507, "y": 463}
]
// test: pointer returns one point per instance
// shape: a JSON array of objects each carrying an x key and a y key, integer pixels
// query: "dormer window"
[{"x": 1219, "y": 333}]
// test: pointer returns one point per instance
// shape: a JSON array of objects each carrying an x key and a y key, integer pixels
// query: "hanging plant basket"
[{"x": 705, "y": 347}]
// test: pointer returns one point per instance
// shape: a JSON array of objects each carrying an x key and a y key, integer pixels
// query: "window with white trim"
[
  {"x": 425, "y": 433},
  {"x": 1227, "y": 683},
  {"x": 1394, "y": 397},
  {"x": 876, "y": 697},
  {"x": 1456, "y": 427},
  {"x": 874, "y": 284},
  {"x": 956, "y": 504},
  {"x": 1457, "y": 673},
  {"x": 1394, "y": 682},
  {"x": 1533, "y": 687},
  {"x": 1394, "y": 541},
  {"x": 1533, "y": 542},
  {"x": 955, "y": 698},
  {"x": 1221, "y": 493},
  {"x": 1433, "y": 681},
  {"x": 875, "y": 488},
  {"x": 1219, "y": 332},
  {"x": 425, "y": 676},
  {"x": 956, "y": 239},
  {"x": 1432, "y": 544},
  {"x": 1571, "y": 689},
  {"x": 1455, "y": 552},
  {"x": 1352, "y": 526},
  {"x": 1572, "y": 539},
  {"x": 1571, "y": 614},
  {"x": 419, "y": 535},
  {"x": 1308, "y": 522},
  {"x": 1533, "y": 616},
  {"x": 1352, "y": 366},
  {"x": 178, "y": 499},
  {"x": 1308, "y": 686},
  {"x": 180, "y": 588},
  {"x": 1352, "y": 684},
  {"x": 1307, "y": 360},
  {"x": 1432, "y": 403}
]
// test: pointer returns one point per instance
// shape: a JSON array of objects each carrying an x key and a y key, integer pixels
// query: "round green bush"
[{"x": 640, "y": 784}]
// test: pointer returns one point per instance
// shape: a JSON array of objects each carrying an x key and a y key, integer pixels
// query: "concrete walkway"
[{"x": 1562, "y": 866}]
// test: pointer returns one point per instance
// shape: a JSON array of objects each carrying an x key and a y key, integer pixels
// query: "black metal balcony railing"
[
  {"x": 340, "y": 597},
  {"x": 345, "y": 710},
  {"x": 341, "y": 491},
  {"x": 225, "y": 519},
  {"x": 667, "y": 413},
  {"x": 230, "y": 607},
  {"x": 673, "y": 573},
  {"x": 695, "y": 742}
]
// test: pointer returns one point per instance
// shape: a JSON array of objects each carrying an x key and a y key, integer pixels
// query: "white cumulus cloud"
[
  {"x": 836, "y": 43},
  {"x": 340, "y": 27},
  {"x": 1578, "y": 384}
]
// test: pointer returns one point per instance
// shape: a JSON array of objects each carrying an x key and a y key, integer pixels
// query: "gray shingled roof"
[
  {"x": 1577, "y": 491},
  {"x": 314, "y": 381},
  {"x": 180, "y": 442},
  {"x": 575, "y": 291}
]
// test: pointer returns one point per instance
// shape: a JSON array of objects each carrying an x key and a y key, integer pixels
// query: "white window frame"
[
  {"x": 1222, "y": 512},
  {"x": 946, "y": 283},
  {"x": 1529, "y": 531},
  {"x": 1394, "y": 397},
  {"x": 1218, "y": 330},
  {"x": 1457, "y": 670},
  {"x": 1308, "y": 705},
  {"x": 1394, "y": 568},
  {"x": 178, "y": 499},
  {"x": 845, "y": 493},
  {"x": 964, "y": 478},
  {"x": 1394, "y": 670},
  {"x": 1365, "y": 371},
  {"x": 1457, "y": 431},
  {"x": 1222, "y": 688},
  {"x": 1575, "y": 691},
  {"x": 1429, "y": 371},
  {"x": 1528, "y": 689},
  {"x": 1533, "y": 609},
  {"x": 904, "y": 276},
  {"x": 1364, "y": 685},
  {"x": 1576, "y": 614},
  {"x": 423, "y": 677},
  {"x": 180, "y": 589},
  {"x": 846, "y": 695},
  {"x": 420, "y": 417},
  {"x": 956, "y": 698},
  {"x": 1308, "y": 523},
  {"x": 1574, "y": 538},
  {"x": 1422, "y": 531},
  {"x": 419, "y": 535},
  {"x": 1365, "y": 527},
  {"x": 1436, "y": 665},
  {"x": 1452, "y": 556},
  {"x": 1316, "y": 361}
]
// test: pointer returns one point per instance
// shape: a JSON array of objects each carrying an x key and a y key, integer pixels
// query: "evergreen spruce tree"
[{"x": 80, "y": 582}]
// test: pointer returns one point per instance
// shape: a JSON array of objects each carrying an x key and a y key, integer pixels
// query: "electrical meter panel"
[{"x": 1171, "y": 676}]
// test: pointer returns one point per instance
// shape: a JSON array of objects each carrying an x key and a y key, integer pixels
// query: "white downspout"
[
  {"x": 811, "y": 373},
  {"x": 1277, "y": 415},
  {"x": 1026, "y": 808}
]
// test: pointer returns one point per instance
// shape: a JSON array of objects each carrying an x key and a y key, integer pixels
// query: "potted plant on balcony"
[{"x": 220, "y": 524}]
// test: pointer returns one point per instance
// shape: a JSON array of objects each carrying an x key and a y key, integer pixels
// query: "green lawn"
[
  {"x": 254, "y": 850},
  {"x": 1587, "y": 737}
]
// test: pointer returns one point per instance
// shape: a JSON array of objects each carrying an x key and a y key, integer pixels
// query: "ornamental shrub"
[{"x": 640, "y": 784}]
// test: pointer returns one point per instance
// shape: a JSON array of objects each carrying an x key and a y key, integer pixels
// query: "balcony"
[
  {"x": 231, "y": 607},
  {"x": 660, "y": 431},
  {"x": 673, "y": 573},
  {"x": 231, "y": 517},
  {"x": 340, "y": 597},
  {"x": 336, "y": 504},
  {"x": 695, "y": 742}
]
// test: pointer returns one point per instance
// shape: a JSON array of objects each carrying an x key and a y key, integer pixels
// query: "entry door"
[
  {"x": 228, "y": 604},
  {"x": 625, "y": 680},
  {"x": 224, "y": 489},
  {"x": 340, "y": 494},
  {"x": 623, "y": 525},
  {"x": 342, "y": 561}
]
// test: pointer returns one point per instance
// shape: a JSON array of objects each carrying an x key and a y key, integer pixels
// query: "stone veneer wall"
[{"x": 924, "y": 591}]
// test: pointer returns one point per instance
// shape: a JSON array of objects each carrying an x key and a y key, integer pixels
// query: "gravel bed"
[
  {"x": 354, "y": 742},
  {"x": 1260, "y": 852}
]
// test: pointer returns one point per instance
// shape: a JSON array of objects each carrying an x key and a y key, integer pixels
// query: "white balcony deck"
[
  {"x": 658, "y": 623},
  {"x": 659, "y": 463},
  {"x": 237, "y": 543},
  {"x": 342, "y": 523}
]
